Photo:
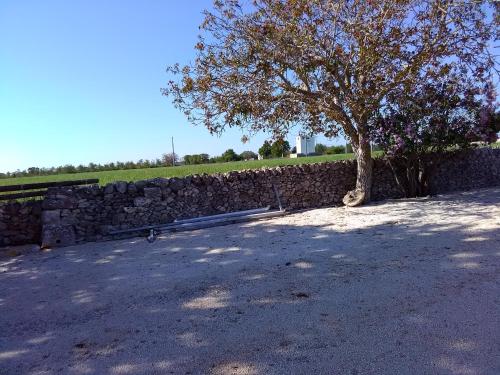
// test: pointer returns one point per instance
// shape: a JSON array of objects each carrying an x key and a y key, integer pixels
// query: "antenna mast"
[{"x": 173, "y": 153}]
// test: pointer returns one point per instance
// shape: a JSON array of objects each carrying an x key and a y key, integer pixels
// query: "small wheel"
[{"x": 152, "y": 236}]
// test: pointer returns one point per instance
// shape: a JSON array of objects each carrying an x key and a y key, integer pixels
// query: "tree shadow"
[{"x": 398, "y": 287}]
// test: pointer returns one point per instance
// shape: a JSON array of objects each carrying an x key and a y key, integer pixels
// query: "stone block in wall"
[
  {"x": 157, "y": 182},
  {"x": 129, "y": 210},
  {"x": 176, "y": 184},
  {"x": 109, "y": 189},
  {"x": 51, "y": 217},
  {"x": 69, "y": 217},
  {"x": 84, "y": 203},
  {"x": 131, "y": 188},
  {"x": 89, "y": 191},
  {"x": 152, "y": 193},
  {"x": 105, "y": 229},
  {"x": 118, "y": 218},
  {"x": 140, "y": 185},
  {"x": 141, "y": 201},
  {"x": 121, "y": 187},
  {"x": 59, "y": 202},
  {"x": 58, "y": 236},
  {"x": 25, "y": 211}
]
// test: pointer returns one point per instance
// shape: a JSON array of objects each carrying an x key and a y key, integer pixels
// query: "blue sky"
[{"x": 80, "y": 82}]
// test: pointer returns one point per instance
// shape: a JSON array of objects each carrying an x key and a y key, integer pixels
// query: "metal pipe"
[
  {"x": 229, "y": 214},
  {"x": 131, "y": 230},
  {"x": 193, "y": 220},
  {"x": 220, "y": 222}
]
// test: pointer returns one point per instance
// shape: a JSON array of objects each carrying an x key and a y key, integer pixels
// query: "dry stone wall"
[
  {"x": 465, "y": 170},
  {"x": 20, "y": 223},
  {"x": 90, "y": 213},
  {"x": 73, "y": 215},
  {"x": 94, "y": 211}
]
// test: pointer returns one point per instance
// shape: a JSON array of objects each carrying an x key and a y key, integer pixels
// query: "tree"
[
  {"x": 448, "y": 112},
  {"x": 335, "y": 150},
  {"x": 169, "y": 159},
  {"x": 326, "y": 64},
  {"x": 280, "y": 148},
  {"x": 230, "y": 155},
  {"x": 265, "y": 150},
  {"x": 248, "y": 155},
  {"x": 196, "y": 159},
  {"x": 320, "y": 149},
  {"x": 203, "y": 158}
]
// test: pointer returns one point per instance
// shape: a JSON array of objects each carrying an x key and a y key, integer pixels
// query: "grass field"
[{"x": 178, "y": 171}]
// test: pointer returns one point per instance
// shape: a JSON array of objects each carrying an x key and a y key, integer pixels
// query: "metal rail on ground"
[
  {"x": 218, "y": 222},
  {"x": 193, "y": 220}
]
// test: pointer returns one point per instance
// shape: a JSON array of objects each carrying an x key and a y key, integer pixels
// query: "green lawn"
[{"x": 179, "y": 171}]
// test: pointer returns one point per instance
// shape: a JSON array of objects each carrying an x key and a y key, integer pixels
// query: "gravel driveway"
[{"x": 399, "y": 287}]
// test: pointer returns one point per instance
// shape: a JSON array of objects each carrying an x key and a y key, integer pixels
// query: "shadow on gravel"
[{"x": 399, "y": 297}]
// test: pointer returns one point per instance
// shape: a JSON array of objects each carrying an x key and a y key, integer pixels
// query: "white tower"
[{"x": 305, "y": 145}]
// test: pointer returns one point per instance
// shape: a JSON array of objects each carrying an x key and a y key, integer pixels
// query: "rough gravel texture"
[{"x": 399, "y": 287}]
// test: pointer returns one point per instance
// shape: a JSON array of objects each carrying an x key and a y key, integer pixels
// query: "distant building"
[{"x": 305, "y": 145}]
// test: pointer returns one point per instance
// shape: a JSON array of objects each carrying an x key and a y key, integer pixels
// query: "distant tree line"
[
  {"x": 91, "y": 167},
  {"x": 227, "y": 156},
  {"x": 166, "y": 160},
  {"x": 322, "y": 149}
]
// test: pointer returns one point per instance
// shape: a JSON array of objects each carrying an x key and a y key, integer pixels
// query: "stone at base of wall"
[
  {"x": 14, "y": 251},
  {"x": 58, "y": 235}
]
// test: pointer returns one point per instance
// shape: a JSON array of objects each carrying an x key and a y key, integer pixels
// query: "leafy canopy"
[
  {"x": 327, "y": 65},
  {"x": 438, "y": 115}
]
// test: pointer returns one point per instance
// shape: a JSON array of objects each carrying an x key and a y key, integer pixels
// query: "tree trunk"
[
  {"x": 426, "y": 170},
  {"x": 362, "y": 193},
  {"x": 412, "y": 174}
]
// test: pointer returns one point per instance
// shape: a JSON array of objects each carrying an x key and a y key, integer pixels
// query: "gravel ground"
[{"x": 399, "y": 287}]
